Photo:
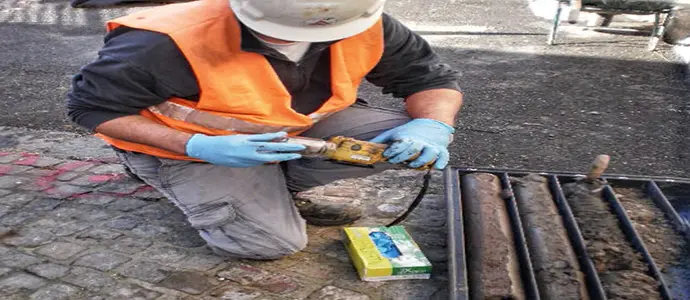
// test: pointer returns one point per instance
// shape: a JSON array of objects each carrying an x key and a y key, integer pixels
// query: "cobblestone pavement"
[{"x": 75, "y": 229}]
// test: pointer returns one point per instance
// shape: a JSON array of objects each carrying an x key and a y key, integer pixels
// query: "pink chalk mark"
[
  {"x": 5, "y": 169},
  {"x": 4, "y": 154},
  {"x": 73, "y": 165},
  {"x": 27, "y": 160},
  {"x": 105, "y": 177}
]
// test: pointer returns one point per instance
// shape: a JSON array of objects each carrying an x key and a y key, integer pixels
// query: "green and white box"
[{"x": 397, "y": 256}]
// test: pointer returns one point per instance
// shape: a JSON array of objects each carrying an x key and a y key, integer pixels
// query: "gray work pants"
[{"x": 249, "y": 212}]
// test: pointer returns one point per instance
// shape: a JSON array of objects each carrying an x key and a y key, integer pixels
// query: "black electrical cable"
[{"x": 416, "y": 201}]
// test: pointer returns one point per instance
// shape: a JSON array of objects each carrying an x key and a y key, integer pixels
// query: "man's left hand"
[{"x": 427, "y": 137}]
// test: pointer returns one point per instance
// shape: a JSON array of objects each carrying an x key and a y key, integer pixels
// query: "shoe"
[{"x": 329, "y": 206}]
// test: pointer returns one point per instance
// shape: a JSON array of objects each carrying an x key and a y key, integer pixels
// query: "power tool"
[{"x": 345, "y": 150}]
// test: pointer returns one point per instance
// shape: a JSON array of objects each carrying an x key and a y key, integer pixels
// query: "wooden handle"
[{"x": 598, "y": 167}]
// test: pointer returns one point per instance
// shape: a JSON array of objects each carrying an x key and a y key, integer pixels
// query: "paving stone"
[
  {"x": 130, "y": 245},
  {"x": 18, "y": 199},
  {"x": 70, "y": 228},
  {"x": 99, "y": 234},
  {"x": 334, "y": 293},
  {"x": 148, "y": 192},
  {"x": 4, "y": 209},
  {"x": 7, "y": 231},
  {"x": 127, "y": 204},
  {"x": 154, "y": 211},
  {"x": 35, "y": 185},
  {"x": 67, "y": 176},
  {"x": 16, "y": 259},
  {"x": 108, "y": 169},
  {"x": 4, "y": 271},
  {"x": 130, "y": 291},
  {"x": 43, "y": 172},
  {"x": 233, "y": 292},
  {"x": 151, "y": 231},
  {"x": 40, "y": 162},
  {"x": 96, "y": 214},
  {"x": 19, "y": 217},
  {"x": 75, "y": 166},
  {"x": 8, "y": 182},
  {"x": 9, "y": 158},
  {"x": 4, "y": 193},
  {"x": 57, "y": 291},
  {"x": 17, "y": 170},
  {"x": 188, "y": 282},
  {"x": 121, "y": 187},
  {"x": 427, "y": 218},
  {"x": 89, "y": 279},
  {"x": 199, "y": 262},
  {"x": 18, "y": 282},
  {"x": 413, "y": 290},
  {"x": 86, "y": 181},
  {"x": 64, "y": 191},
  {"x": 164, "y": 254},
  {"x": 68, "y": 212},
  {"x": 60, "y": 250},
  {"x": 146, "y": 271},
  {"x": 103, "y": 261},
  {"x": 123, "y": 223},
  {"x": 252, "y": 276},
  {"x": 48, "y": 270},
  {"x": 95, "y": 199},
  {"x": 43, "y": 204},
  {"x": 30, "y": 238}
]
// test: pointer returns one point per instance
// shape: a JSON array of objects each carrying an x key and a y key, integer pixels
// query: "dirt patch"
[
  {"x": 662, "y": 241},
  {"x": 622, "y": 270},
  {"x": 493, "y": 270},
  {"x": 553, "y": 259}
]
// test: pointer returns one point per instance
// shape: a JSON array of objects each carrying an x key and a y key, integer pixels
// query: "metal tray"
[{"x": 453, "y": 190}]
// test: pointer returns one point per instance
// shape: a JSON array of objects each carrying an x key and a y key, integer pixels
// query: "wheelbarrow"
[{"x": 607, "y": 9}]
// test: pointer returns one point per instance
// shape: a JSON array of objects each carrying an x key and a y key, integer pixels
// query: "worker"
[{"x": 193, "y": 96}]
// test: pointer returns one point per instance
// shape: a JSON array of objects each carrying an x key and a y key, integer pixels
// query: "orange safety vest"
[{"x": 239, "y": 91}]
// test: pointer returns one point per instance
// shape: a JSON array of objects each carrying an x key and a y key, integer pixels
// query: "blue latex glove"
[
  {"x": 241, "y": 150},
  {"x": 426, "y": 136}
]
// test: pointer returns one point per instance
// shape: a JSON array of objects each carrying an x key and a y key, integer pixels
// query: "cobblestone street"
[{"x": 73, "y": 229}]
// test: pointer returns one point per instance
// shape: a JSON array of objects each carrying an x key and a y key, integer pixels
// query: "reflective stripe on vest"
[{"x": 187, "y": 114}]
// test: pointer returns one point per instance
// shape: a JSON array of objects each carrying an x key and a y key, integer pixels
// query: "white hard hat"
[{"x": 308, "y": 20}]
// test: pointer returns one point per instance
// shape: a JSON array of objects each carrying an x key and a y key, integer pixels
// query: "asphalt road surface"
[{"x": 528, "y": 105}]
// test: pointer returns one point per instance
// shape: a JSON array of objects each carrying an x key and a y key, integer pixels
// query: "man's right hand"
[{"x": 242, "y": 150}]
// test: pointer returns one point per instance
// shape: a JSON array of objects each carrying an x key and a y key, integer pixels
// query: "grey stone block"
[
  {"x": 108, "y": 169},
  {"x": 63, "y": 190},
  {"x": 30, "y": 238},
  {"x": 99, "y": 234},
  {"x": 8, "y": 182},
  {"x": 127, "y": 204},
  {"x": 44, "y": 204},
  {"x": 151, "y": 231},
  {"x": 123, "y": 223},
  {"x": 60, "y": 250},
  {"x": 130, "y": 291},
  {"x": 123, "y": 187},
  {"x": 164, "y": 254},
  {"x": 18, "y": 217},
  {"x": 16, "y": 259},
  {"x": 4, "y": 209},
  {"x": 130, "y": 245},
  {"x": 43, "y": 162},
  {"x": 95, "y": 199},
  {"x": 188, "y": 282},
  {"x": 70, "y": 228},
  {"x": 103, "y": 261},
  {"x": 199, "y": 262},
  {"x": 67, "y": 176},
  {"x": 48, "y": 270},
  {"x": 9, "y": 158},
  {"x": 57, "y": 291},
  {"x": 89, "y": 279},
  {"x": 18, "y": 282},
  {"x": 4, "y": 192},
  {"x": 146, "y": 271},
  {"x": 18, "y": 199},
  {"x": 4, "y": 271},
  {"x": 335, "y": 293}
]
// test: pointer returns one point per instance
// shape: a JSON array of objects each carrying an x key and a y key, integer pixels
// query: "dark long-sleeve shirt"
[{"x": 136, "y": 69}]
